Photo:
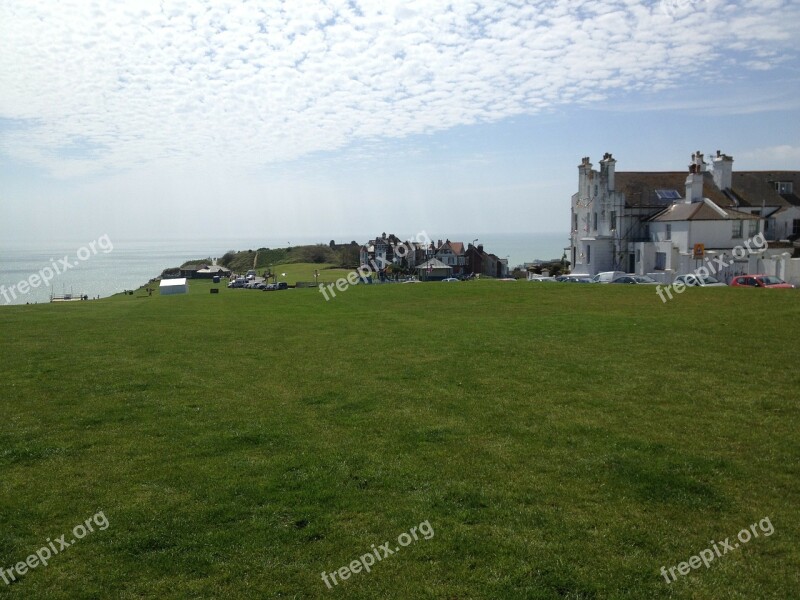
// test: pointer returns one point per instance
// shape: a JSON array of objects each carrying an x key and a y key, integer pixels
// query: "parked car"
[
  {"x": 635, "y": 279},
  {"x": 251, "y": 274},
  {"x": 541, "y": 279},
  {"x": 239, "y": 282},
  {"x": 270, "y": 287},
  {"x": 769, "y": 281},
  {"x": 574, "y": 279},
  {"x": 701, "y": 280},
  {"x": 449, "y": 279},
  {"x": 607, "y": 276},
  {"x": 281, "y": 285}
]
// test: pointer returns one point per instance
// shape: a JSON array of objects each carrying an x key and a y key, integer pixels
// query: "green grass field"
[{"x": 562, "y": 441}]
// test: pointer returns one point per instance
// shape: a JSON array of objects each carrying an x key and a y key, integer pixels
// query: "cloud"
[{"x": 248, "y": 84}]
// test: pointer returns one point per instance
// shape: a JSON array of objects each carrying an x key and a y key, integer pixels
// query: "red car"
[{"x": 769, "y": 281}]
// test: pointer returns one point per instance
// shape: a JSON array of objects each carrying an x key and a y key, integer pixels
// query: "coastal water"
[{"x": 115, "y": 265}]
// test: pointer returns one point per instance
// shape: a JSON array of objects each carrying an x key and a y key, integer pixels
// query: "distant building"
[
  {"x": 452, "y": 254},
  {"x": 478, "y": 261},
  {"x": 203, "y": 271},
  {"x": 650, "y": 222},
  {"x": 434, "y": 270}
]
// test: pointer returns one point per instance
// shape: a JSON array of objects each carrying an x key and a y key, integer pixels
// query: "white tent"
[{"x": 173, "y": 286}]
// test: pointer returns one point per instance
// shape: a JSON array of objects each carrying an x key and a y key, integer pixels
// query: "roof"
[
  {"x": 434, "y": 263},
  {"x": 214, "y": 269},
  {"x": 640, "y": 188},
  {"x": 172, "y": 282},
  {"x": 702, "y": 211},
  {"x": 754, "y": 188}
]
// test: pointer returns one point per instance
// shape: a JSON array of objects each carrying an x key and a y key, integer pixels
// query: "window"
[
  {"x": 638, "y": 256},
  {"x": 661, "y": 261},
  {"x": 574, "y": 222},
  {"x": 588, "y": 255},
  {"x": 668, "y": 236},
  {"x": 783, "y": 187},
  {"x": 613, "y": 220},
  {"x": 752, "y": 229},
  {"x": 796, "y": 227},
  {"x": 737, "y": 229},
  {"x": 668, "y": 195},
  {"x": 594, "y": 221}
]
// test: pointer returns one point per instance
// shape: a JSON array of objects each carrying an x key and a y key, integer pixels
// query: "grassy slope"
[
  {"x": 305, "y": 272},
  {"x": 564, "y": 441}
]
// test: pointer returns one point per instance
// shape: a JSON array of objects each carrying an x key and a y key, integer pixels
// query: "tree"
[
  {"x": 228, "y": 257},
  {"x": 332, "y": 244}
]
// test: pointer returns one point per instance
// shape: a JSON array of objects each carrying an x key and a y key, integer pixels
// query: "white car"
[
  {"x": 607, "y": 276},
  {"x": 448, "y": 279},
  {"x": 705, "y": 281}
]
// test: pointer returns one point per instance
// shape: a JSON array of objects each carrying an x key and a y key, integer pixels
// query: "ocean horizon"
[{"x": 105, "y": 266}]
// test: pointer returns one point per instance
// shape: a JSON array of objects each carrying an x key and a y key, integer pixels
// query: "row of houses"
[
  {"x": 666, "y": 223},
  {"x": 432, "y": 260}
]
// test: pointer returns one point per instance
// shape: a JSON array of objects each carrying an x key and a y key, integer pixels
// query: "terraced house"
[{"x": 663, "y": 223}]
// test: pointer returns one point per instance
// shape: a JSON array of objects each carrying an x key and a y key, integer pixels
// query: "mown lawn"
[{"x": 562, "y": 441}]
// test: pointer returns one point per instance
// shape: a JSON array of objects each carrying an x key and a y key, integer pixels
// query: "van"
[{"x": 607, "y": 276}]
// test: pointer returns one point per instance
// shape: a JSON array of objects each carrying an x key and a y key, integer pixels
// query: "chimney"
[
  {"x": 584, "y": 173},
  {"x": 694, "y": 184},
  {"x": 723, "y": 171},
  {"x": 607, "y": 170},
  {"x": 438, "y": 244}
]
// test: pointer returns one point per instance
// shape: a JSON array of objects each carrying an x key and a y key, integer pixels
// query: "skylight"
[{"x": 668, "y": 195}]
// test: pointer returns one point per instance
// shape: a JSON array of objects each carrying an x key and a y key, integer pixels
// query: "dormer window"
[{"x": 784, "y": 187}]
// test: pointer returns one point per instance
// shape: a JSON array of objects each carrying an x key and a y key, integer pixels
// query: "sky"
[{"x": 186, "y": 119}]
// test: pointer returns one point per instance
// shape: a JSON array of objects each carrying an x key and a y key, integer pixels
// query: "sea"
[{"x": 103, "y": 267}]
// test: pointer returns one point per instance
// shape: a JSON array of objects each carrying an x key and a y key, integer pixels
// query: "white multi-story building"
[{"x": 651, "y": 222}]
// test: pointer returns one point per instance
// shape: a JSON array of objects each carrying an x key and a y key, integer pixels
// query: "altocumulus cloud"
[{"x": 102, "y": 86}]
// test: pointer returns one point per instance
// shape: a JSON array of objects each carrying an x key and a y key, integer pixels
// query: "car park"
[
  {"x": 692, "y": 279},
  {"x": 635, "y": 279},
  {"x": 766, "y": 281}
]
